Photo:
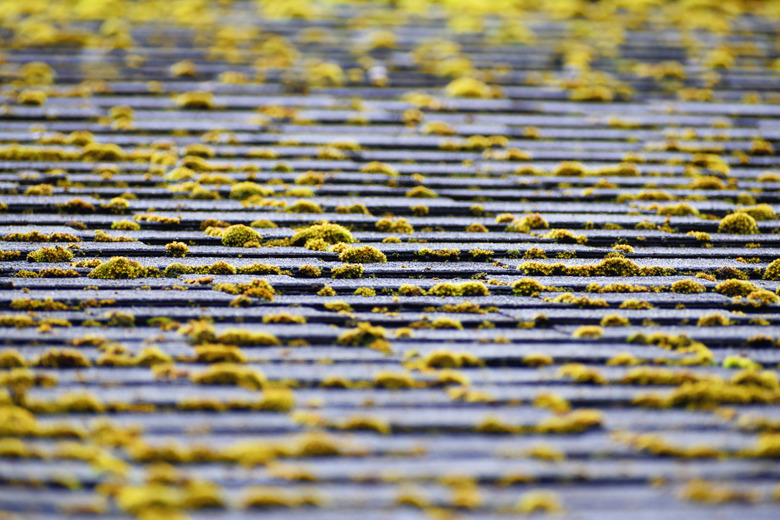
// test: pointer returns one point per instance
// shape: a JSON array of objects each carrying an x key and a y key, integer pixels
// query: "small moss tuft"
[
  {"x": 50, "y": 254},
  {"x": 735, "y": 288},
  {"x": 118, "y": 268},
  {"x": 400, "y": 225},
  {"x": 240, "y": 235},
  {"x": 772, "y": 271},
  {"x": 177, "y": 249},
  {"x": 347, "y": 271},
  {"x": 527, "y": 287},
  {"x": 688, "y": 287},
  {"x": 326, "y": 231},
  {"x": 362, "y": 255},
  {"x": 738, "y": 224}
]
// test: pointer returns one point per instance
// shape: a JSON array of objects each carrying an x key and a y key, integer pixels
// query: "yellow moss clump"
[
  {"x": 326, "y": 231},
  {"x": 400, "y": 225},
  {"x": 50, "y": 254},
  {"x": 738, "y": 223},
  {"x": 366, "y": 422},
  {"x": 240, "y": 235},
  {"x": 527, "y": 223},
  {"x": 379, "y": 167},
  {"x": 527, "y": 287},
  {"x": 197, "y": 100},
  {"x": 364, "y": 334},
  {"x": 713, "y": 320},
  {"x": 566, "y": 236},
  {"x": 362, "y": 255},
  {"x": 614, "y": 320},
  {"x": 118, "y": 268},
  {"x": 687, "y": 287},
  {"x": 735, "y": 288},
  {"x": 347, "y": 271},
  {"x": 230, "y": 374},
  {"x": 62, "y": 358},
  {"x": 470, "y": 88},
  {"x": 243, "y": 337}
]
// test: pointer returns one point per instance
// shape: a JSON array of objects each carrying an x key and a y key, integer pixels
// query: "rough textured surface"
[{"x": 562, "y": 298}]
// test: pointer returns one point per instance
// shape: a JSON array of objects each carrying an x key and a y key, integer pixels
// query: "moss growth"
[
  {"x": 564, "y": 236},
  {"x": 446, "y": 323},
  {"x": 772, "y": 271},
  {"x": 379, "y": 167},
  {"x": 240, "y": 235},
  {"x": 735, "y": 288},
  {"x": 326, "y": 231},
  {"x": 50, "y": 254},
  {"x": 309, "y": 271},
  {"x": 761, "y": 297},
  {"x": 364, "y": 334},
  {"x": 326, "y": 291},
  {"x": 527, "y": 287},
  {"x": 62, "y": 358},
  {"x": 410, "y": 290},
  {"x": 687, "y": 287},
  {"x": 580, "y": 301},
  {"x": 614, "y": 320},
  {"x": 347, "y": 271},
  {"x": 760, "y": 212},
  {"x": 338, "y": 306},
  {"x": 177, "y": 249},
  {"x": 473, "y": 288},
  {"x": 476, "y": 227},
  {"x": 230, "y": 374},
  {"x": 713, "y": 320},
  {"x": 569, "y": 169},
  {"x": 125, "y": 225},
  {"x": 738, "y": 224},
  {"x": 117, "y": 268},
  {"x": 527, "y": 223},
  {"x": 175, "y": 270},
  {"x": 305, "y": 206},
  {"x": 242, "y": 337},
  {"x": 588, "y": 331},
  {"x": 362, "y": 255},
  {"x": 421, "y": 192},
  {"x": 400, "y": 225},
  {"x": 365, "y": 291},
  {"x": 470, "y": 88},
  {"x": 678, "y": 210}
]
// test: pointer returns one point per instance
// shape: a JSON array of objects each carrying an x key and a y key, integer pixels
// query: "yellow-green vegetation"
[
  {"x": 177, "y": 249},
  {"x": 566, "y": 236},
  {"x": 527, "y": 287},
  {"x": 399, "y": 225},
  {"x": 362, "y": 255},
  {"x": 328, "y": 232},
  {"x": 687, "y": 287},
  {"x": 364, "y": 334},
  {"x": 347, "y": 271},
  {"x": 309, "y": 271},
  {"x": 230, "y": 374},
  {"x": 738, "y": 223},
  {"x": 125, "y": 225},
  {"x": 472, "y": 288},
  {"x": 735, "y": 288},
  {"x": 244, "y": 190},
  {"x": 50, "y": 254},
  {"x": 257, "y": 288},
  {"x": 772, "y": 271},
  {"x": 118, "y": 268},
  {"x": 240, "y": 235},
  {"x": 527, "y": 223}
]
